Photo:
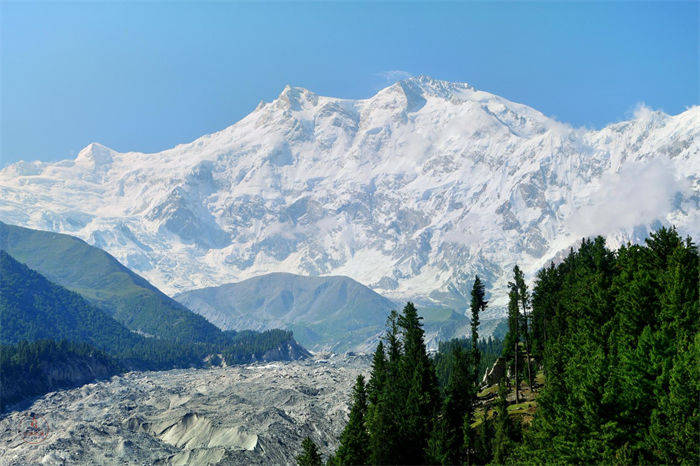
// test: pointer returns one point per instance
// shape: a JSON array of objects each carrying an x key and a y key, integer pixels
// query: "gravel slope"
[{"x": 234, "y": 415}]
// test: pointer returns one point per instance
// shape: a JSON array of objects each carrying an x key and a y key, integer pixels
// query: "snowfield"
[{"x": 411, "y": 192}]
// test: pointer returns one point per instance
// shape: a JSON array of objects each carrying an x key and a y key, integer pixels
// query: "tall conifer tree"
[
  {"x": 354, "y": 441},
  {"x": 524, "y": 301},
  {"x": 478, "y": 306},
  {"x": 310, "y": 455},
  {"x": 511, "y": 345},
  {"x": 422, "y": 399}
]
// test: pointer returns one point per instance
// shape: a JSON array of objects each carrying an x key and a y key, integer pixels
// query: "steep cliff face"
[
  {"x": 74, "y": 371},
  {"x": 60, "y": 370},
  {"x": 288, "y": 351}
]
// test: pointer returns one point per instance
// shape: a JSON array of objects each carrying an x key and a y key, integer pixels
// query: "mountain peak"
[
  {"x": 95, "y": 155},
  {"x": 296, "y": 97},
  {"x": 427, "y": 85}
]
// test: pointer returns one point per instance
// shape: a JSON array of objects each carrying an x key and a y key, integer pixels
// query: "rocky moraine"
[{"x": 233, "y": 415}]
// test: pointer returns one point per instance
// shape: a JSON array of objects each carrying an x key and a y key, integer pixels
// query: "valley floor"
[{"x": 241, "y": 414}]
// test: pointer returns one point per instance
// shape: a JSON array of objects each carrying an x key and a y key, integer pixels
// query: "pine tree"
[
  {"x": 524, "y": 299},
  {"x": 481, "y": 440},
  {"x": 422, "y": 397},
  {"x": 448, "y": 434},
  {"x": 310, "y": 455},
  {"x": 393, "y": 342},
  {"x": 378, "y": 374},
  {"x": 478, "y": 305},
  {"x": 544, "y": 303},
  {"x": 387, "y": 395},
  {"x": 501, "y": 441},
  {"x": 438, "y": 449},
  {"x": 354, "y": 441},
  {"x": 504, "y": 429},
  {"x": 511, "y": 344}
]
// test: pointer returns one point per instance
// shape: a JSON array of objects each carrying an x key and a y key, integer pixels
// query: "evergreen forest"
[{"x": 601, "y": 365}]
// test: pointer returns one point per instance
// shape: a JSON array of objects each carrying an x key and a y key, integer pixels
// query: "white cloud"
[
  {"x": 638, "y": 194},
  {"x": 391, "y": 76}
]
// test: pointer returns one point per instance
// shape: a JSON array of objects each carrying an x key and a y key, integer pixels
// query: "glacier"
[{"x": 412, "y": 192}]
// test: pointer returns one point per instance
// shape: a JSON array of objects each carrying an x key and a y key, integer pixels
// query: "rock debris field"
[{"x": 232, "y": 415}]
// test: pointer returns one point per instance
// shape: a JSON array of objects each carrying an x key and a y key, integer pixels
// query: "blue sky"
[{"x": 147, "y": 76}]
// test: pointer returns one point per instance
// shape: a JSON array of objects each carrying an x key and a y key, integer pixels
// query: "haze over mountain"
[
  {"x": 411, "y": 192},
  {"x": 335, "y": 313}
]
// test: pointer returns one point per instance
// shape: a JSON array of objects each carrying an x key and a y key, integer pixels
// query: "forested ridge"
[
  {"x": 42, "y": 324},
  {"x": 614, "y": 334}
]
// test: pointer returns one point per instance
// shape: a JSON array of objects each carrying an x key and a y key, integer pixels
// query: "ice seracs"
[{"x": 411, "y": 191}]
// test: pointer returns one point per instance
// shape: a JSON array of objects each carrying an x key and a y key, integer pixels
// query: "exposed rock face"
[
  {"x": 496, "y": 373},
  {"x": 289, "y": 351},
  {"x": 75, "y": 372},
  {"x": 71, "y": 372},
  {"x": 233, "y": 415}
]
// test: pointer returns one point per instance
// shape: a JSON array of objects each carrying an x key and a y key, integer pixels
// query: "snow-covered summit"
[{"x": 411, "y": 191}]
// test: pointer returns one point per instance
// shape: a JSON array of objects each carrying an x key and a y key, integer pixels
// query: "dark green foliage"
[
  {"x": 523, "y": 296},
  {"x": 507, "y": 432},
  {"x": 249, "y": 346},
  {"x": 32, "y": 308},
  {"x": 479, "y": 440},
  {"x": 544, "y": 308},
  {"x": 310, "y": 455},
  {"x": 447, "y": 438},
  {"x": 422, "y": 397},
  {"x": 511, "y": 344},
  {"x": 379, "y": 370},
  {"x": 31, "y": 369},
  {"x": 354, "y": 441},
  {"x": 410, "y": 417},
  {"x": 489, "y": 351},
  {"x": 617, "y": 334},
  {"x": 105, "y": 283},
  {"x": 386, "y": 401},
  {"x": 478, "y": 305},
  {"x": 403, "y": 398}
]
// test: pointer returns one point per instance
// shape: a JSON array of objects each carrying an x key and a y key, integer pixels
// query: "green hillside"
[
  {"x": 106, "y": 283},
  {"x": 32, "y": 308},
  {"x": 53, "y": 338},
  {"x": 330, "y": 312}
]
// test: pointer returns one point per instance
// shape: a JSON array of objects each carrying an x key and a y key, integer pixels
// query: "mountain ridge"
[
  {"x": 412, "y": 191},
  {"x": 325, "y": 313}
]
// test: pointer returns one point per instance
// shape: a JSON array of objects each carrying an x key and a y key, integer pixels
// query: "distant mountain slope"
[
  {"x": 32, "y": 308},
  {"x": 411, "y": 191},
  {"x": 53, "y": 338},
  {"x": 324, "y": 312},
  {"x": 102, "y": 280}
]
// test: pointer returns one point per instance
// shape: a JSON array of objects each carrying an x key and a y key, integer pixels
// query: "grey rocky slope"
[
  {"x": 234, "y": 415},
  {"x": 411, "y": 192},
  {"x": 334, "y": 313}
]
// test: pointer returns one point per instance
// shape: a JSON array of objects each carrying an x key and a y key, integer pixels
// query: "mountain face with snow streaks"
[{"x": 411, "y": 192}]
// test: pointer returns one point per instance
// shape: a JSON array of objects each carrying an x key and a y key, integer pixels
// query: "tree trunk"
[
  {"x": 527, "y": 351},
  {"x": 515, "y": 371},
  {"x": 529, "y": 372}
]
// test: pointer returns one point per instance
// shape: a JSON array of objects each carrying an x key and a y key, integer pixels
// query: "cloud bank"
[{"x": 638, "y": 194}]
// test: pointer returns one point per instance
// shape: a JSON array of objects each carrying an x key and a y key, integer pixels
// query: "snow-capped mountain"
[{"x": 412, "y": 191}]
